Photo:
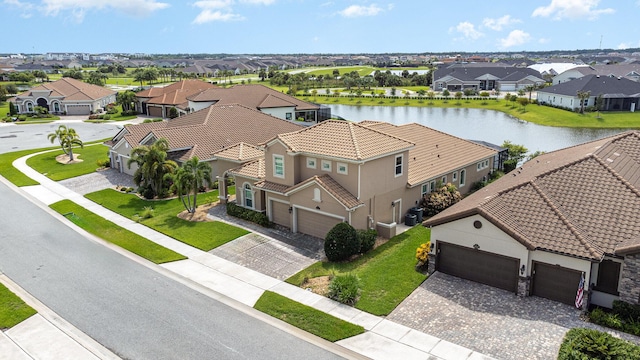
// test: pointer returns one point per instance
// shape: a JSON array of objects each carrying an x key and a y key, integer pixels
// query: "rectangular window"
[
  {"x": 608, "y": 276},
  {"x": 278, "y": 166},
  {"x": 482, "y": 165},
  {"x": 454, "y": 176},
  {"x": 398, "y": 165},
  {"x": 326, "y": 165},
  {"x": 342, "y": 168},
  {"x": 444, "y": 180},
  {"x": 463, "y": 176},
  {"x": 425, "y": 190},
  {"x": 288, "y": 116},
  {"x": 311, "y": 163}
]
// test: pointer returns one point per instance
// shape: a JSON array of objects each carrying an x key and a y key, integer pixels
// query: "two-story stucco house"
[{"x": 368, "y": 174}]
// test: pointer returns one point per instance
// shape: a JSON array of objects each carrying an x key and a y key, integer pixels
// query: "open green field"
[
  {"x": 387, "y": 274},
  {"x": 202, "y": 235},
  {"x": 46, "y": 163},
  {"x": 113, "y": 233},
  {"x": 12, "y": 309}
]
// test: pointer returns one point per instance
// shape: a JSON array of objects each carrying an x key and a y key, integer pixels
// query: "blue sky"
[{"x": 305, "y": 26}]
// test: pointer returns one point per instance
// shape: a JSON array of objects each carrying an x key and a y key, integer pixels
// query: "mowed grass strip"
[
  {"x": 202, "y": 235},
  {"x": 47, "y": 164},
  {"x": 12, "y": 309},
  {"x": 387, "y": 274},
  {"x": 113, "y": 233},
  {"x": 12, "y": 174},
  {"x": 306, "y": 318}
]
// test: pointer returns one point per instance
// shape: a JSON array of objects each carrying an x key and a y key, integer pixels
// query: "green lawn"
[
  {"x": 113, "y": 233},
  {"x": 387, "y": 274},
  {"x": 542, "y": 115},
  {"x": 306, "y": 318},
  {"x": 12, "y": 309},
  {"x": 46, "y": 163},
  {"x": 12, "y": 174},
  {"x": 202, "y": 235}
]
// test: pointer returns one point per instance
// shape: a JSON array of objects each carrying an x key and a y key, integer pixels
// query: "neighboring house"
[
  {"x": 223, "y": 135},
  {"x": 563, "y": 214},
  {"x": 262, "y": 98},
  {"x": 618, "y": 94},
  {"x": 629, "y": 71},
  {"x": 198, "y": 70},
  {"x": 157, "y": 101},
  {"x": 65, "y": 96},
  {"x": 368, "y": 174},
  {"x": 458, "y": 77}
]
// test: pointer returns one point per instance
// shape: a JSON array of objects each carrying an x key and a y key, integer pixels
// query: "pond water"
[{"x": 476, "y": 124}]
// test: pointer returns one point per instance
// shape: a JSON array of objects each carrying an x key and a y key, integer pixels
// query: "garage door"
[
  {"x": 479, "y": 266},
  {"x": 280, "y": 213},
  {"x": 78, "y": 110},
  {"x": 155, "y": 111},
  {"x": 315, "y": 224},
  {"x": 555, "y": 282}
]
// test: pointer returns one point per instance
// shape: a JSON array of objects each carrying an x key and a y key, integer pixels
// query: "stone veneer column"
[
  {"x": 431, "y": 266},
  {"x": 523, "y": 286},
  {"x": 630, "y": 283}
]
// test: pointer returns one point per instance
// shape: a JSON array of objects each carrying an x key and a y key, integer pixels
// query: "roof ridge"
[
  {"x": 624, "y": 181},
  {"x": 354, "y": 140},
  {"x": 565, "y": 219}
]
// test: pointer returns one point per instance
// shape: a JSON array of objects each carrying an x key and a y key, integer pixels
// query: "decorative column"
[{"x": 524, "y": 284}]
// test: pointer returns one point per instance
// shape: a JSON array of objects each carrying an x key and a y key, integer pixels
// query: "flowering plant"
[{"x": 422, "y": 252}]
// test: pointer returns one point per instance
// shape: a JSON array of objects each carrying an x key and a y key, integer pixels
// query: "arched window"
[
  {"x": 316, "y": 195},
  {"x": 56, "y": 107},
  {"x": 29, "y": 106},
  {"x": 248, "y": 196}
]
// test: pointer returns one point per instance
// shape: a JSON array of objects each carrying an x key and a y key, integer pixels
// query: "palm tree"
[
  {"x": 153, "y": 165},
  {"x": 188, "y": 180},
  {"x": 584, "y": 97},
  {"x": 67, "y": 137}
]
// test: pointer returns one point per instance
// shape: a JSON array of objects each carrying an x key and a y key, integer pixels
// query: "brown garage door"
[
  {"x": 315, "y": 224},
  {"x": 78, "y": 109},
  {"x": 479, "y": 266},
  {"x": 555, "y": 282},
  {"x": 280, "y": 213},
  {"x": 155, "y": 111}
]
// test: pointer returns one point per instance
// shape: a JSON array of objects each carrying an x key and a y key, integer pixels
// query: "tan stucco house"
[
  {"x": 156, "y": 101},
  {"x": 562, "y": 215},
  {"x": 368, "y": 174},
  {"x": 65, "y": 96}
]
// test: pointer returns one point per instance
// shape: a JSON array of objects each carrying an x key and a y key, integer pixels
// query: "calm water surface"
[{"x": 477, "y": 124}]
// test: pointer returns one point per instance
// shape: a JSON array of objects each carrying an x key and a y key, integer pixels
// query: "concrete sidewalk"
[{"x": 382, "y": 340}]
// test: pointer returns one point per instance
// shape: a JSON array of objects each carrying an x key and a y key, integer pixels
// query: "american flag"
[{"x": 580, "y": 293}]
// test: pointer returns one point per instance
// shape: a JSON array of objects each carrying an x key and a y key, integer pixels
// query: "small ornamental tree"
[
  {"x": 440, "y": 199},
  {"x": 341, "y": 242},
  {"x": 173, "y": 112}
]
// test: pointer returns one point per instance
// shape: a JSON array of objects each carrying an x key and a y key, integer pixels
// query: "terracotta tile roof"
[
  {"x": 347, "y": 199},
  {"x": 344, "y": 140},
  {"x": 254, "y": 96},
  {"x": 582, "y": 201},
  {"x": 240, "y": 152},
  {"x": 436, "y": 153},
  {"x": 252, "y": 170},
  {"x": 271, "y": 186},
  {"x": 71, "y": 89},
  {"x": 175, "y": 94},
  {"x": 212, "y": 129}
]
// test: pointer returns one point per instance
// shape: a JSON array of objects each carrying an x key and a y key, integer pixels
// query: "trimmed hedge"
[
  {"x": 248, "y": 214},
  {"x": 623, "y": 316},
  {"x": 367, "y": 239},
  {"x": 341, "y": 242},
  {"x": 585, "y": 344}
]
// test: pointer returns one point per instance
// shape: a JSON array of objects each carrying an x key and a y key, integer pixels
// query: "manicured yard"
[
  {"x": 12, "y": 309},
  {"x": 46, "y": 163},
  {"x": 306, "y": 318},
  {"x": 11, "y": 173},
  {"x": 202, "y": 235},
  {"x": 113, "y": 233},
  {"x": 387, "y": 274}
]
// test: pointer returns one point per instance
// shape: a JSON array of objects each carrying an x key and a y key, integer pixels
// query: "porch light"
[
  {"x": 290, "y": 209},
  {"x": 476, "y": 246},
  {"x": 393, "y": 204},
  {"x": 522, "y": 269}
]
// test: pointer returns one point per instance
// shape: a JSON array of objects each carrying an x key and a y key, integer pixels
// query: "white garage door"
[
  {"x": 315, "y": 224},
  {"x": 78, "y": 109}
]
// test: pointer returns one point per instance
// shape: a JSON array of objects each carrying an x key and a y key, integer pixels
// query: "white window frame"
[
  {"x": 454, "y": 176},
  {"x": 463, "y": 180},
  {"x": 424, "y": 190},
  {"x": 312, "y": 163},
  {"x": 482, "y": 165},
  {"x": 277, "y": 157},
  {"x": 317, "y": 197},
  {"x": 444, "y": 180},
  {"x": 343, "y": 172},
  {"x": 326, "y": 165},
  {"x": 247, "y": 189},
  {"x": 401, "y": 165}
]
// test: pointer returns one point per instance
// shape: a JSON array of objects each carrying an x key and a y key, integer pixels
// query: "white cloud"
[
  {"x": 515, "y": 38},
  {"x": 213, "y": 4},
  {"x": 544, "y": 40},
  {"x": 222, "y": 10},
  {"x": 358, "y": 11},
  {"x": 499, "y": 23},
  {"x": 572, "y": 9},
  {"x": 258, "y": 2},
  {"x": 468, "y": 30},
  {"x": 25, "y": 7},
  {"x": 208, "y": 16},
  {"x": 79, "y": 8},
  {"x": 623, "y": 46}
]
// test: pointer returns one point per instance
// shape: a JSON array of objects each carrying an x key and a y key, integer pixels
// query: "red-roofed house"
[
  {"x": 538, "y": 229},
  {"x": 157, "y": 101}
]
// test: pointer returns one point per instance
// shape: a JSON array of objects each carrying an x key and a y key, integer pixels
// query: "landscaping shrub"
[
  {"x": 367, "y": 239},
  {"x": 584, "y": 344},
  {"x": 341, "y": 242},
  {"x": 106, "y": 117},
  {"x": 422, "y": 253},
  {"x": 248, "y": 214},
  {"x": 103, "y": 163},
  {"x": 147, "y": 212},
  {"x": 345, "y": 289},
  {"x": 440, "y": 199},
  {"x": 604, "y": 318},
  {"x": 623, "y": 316},
  {"x": 626, "y": 310},
  {"x": 146, "y": 192}
]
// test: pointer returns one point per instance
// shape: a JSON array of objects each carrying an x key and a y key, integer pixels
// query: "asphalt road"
[
  {"x": 21, "y": 137},
  {"x": 129, "y": 308}
]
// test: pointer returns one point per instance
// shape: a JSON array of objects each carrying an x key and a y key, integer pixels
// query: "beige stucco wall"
[
  {"x": 281, "y": 112},
  {"x": 258, "y": 195},
  {"x": 290, "y": 170},
  {"x": 348, "y": 181}
]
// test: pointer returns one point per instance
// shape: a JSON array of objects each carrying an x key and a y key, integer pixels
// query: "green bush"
[
  {"x": 585, "y": 344},
  {"x": 626, "y": 310},
  {"x": 106, "y": 117},
  {"x": 147, "y": 212},
  {"x": 249, "y": 215},
  {"x": 367, "y": 239},
  {"x": 345, "y": 289},
  {"x": 341, "y": 242},
  {"x": 604, "y": 318},
  {"x": 103, "y": 163},
  {"x": 623, "y": 316}
]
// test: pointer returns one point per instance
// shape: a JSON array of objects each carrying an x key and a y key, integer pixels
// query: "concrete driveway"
[{"x": 491, "y": 321}]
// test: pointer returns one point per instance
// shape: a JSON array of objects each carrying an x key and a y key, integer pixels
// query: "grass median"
[
  {"x": 202, "y": 235},
  {"x": 48, "y": 165},
  {"x": 12, "y": 309},
  {"x": 387, "y": 274},
  {"x": 113, "y": 233},
  {"x": 306, "y": 318}
]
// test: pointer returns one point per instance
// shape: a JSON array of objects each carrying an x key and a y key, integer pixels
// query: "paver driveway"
[{"x": 490, "y": 320}]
